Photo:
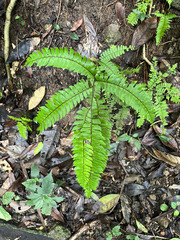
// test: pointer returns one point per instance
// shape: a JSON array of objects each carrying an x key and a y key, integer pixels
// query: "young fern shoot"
[{"x": 92, "y": 128}]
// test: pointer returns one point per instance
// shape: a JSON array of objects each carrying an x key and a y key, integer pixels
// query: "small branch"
[
  {"x": 144, "y": 56},
  {"x": 6, "y": 39}
]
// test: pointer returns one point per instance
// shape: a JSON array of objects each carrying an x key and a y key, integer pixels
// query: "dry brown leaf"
[
  {"x": 56, "y": 215},
  {"x": 120, "y": 11},
  {"x": 167, "y": 158},
  {"x": 144, "y": 32},
  {"x": 5, "y": 165},
  {"x": 170, "y": 143},
  {"x": 36, "y": 98},
  {"x": 77, "y": 24}
]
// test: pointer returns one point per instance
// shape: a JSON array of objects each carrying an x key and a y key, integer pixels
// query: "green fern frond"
[
  {"x": 133, "y": 95},
  {"x": 62, "y": 103},
  {"x": 62, "y": 58},
  {"x": 132, "y": 18},
  {"x": 114, "y": 52},
  {"x": 164, "y": 25},
  {"x": 90, "y": 145}
]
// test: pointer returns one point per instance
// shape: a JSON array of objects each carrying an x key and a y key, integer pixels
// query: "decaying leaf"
[
  {"x": 144, "y": 32},
  {"x": 89, "y": 45},
  {"x": 36, "y": 98},
  {"x": 120, "y": 11},
  {"x": 141, "y": 226},
  {"x": 167, "y": 158},
  {"x": 77, "y": 24},
  {"x": 57, "y": 215},
  {"x": 171, "y": 143},
  {"x": 4, "y": 165},
  {"x": 109, "y": 201},
  {"x": 19, "y": 206},
  {"x": 125, "y": 207}
]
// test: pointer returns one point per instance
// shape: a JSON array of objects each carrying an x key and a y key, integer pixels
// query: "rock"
[
  {"x": 112, "y": 34},
  {"x": 59, "y": 232},
  {"x": 176, "y": 4}
]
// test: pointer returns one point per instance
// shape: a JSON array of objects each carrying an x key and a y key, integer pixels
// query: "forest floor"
[{"x": 142, "y": 179}]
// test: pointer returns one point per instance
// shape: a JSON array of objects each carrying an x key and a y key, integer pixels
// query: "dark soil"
[{"x": 144, "y": 181}]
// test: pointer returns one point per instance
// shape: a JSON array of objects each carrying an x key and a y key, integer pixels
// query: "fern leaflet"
[{"x": 62, "y": 103}]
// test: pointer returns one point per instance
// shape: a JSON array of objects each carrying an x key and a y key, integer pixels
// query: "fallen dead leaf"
[
  {"x": 144, "y": 32},
  {"x": 77, "y": 24},
  {"x": 109, "y": 201},
  {"x": 170, "y": 143},
  {"x": 19, "y": 206},
  {"x": 167, "y": 158},
  {"x": 120, "y": 11},
  {"x": 36, "y": 98},
  {"x": 56, "y": 215}
]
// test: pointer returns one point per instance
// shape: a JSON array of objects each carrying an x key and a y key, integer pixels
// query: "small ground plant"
[
  {"x": 92, "y": 128},
  {"x": 140, "y": 13},
  {"x": 41, "y": 196},
  {"x": 174, "y": 205}
]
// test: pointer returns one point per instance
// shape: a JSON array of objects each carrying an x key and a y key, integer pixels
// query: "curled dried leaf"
[{"x": 120, "y": 11}]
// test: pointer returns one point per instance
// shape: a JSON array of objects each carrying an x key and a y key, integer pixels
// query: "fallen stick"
[{"x": 6, "y": 40}]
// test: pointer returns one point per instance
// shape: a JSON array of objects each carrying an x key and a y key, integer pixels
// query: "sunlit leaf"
[
  {"x": 141, "y": 226},
  {"x": 4, "y": 214}
]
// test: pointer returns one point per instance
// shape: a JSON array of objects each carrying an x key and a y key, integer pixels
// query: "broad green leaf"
[
  {"x": 164, "y": 138},
  {"x": 34, "y": 170},
  {"x": 57, "y": 27},
  {"x": 7, "y": 197},
  {"x": 137, "y": 144},
  {"x": 39, "y": 148},
  {"x": 141, "y": 226},
  {"x": 46, "y": 209},
  {"x": 174, "y": 205},
  {"x": 124, "y": 137},
  {"x": 74, "y": 36},
  {"x": 4, "y": 214},
  {"x": 109, "y": 236},
  {"x": 164, "y": 207},
  {"x": 176, "y": 213},
  {"x": 58, "y": 199},
  {"x": 30, "y": 185},
  {"x": 39, "y": 203},
  {"x": 109, "y": 201},
  {"x": 47, "y": 184},
  {"x": 116, "y": 231}
]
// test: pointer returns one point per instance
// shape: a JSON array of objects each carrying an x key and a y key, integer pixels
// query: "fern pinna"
[{"x": 92, "y": 128}]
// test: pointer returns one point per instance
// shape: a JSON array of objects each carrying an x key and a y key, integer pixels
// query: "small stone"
[
  {"x": 166, "y": 173},
  {"x": 152, "y": 197},
  {"x": 112, "y": 33}
]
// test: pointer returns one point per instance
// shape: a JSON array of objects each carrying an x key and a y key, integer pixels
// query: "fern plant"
[
  {"x": 164, "y": 24},
  {"x": 92, "y": 128},
  {"x": 140, "y": 13}
]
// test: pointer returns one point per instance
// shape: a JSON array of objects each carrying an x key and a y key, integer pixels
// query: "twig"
[
  {"x": 6, "y": 39},
  {"x": 85, "y": 228},
  {"x": 144, "y": 56}
]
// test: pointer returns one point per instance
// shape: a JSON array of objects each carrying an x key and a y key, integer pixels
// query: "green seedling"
[
  {"x": 174, "y": 205},
  {"x": 41, "y": 196},
  {"x": 140, "y": 13},
  {"x": 125, "y": 137},
  {"x": 114, "y": 233},
  {"x": 22, "y": 125},
  {"x": 21, "y": 20}
]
